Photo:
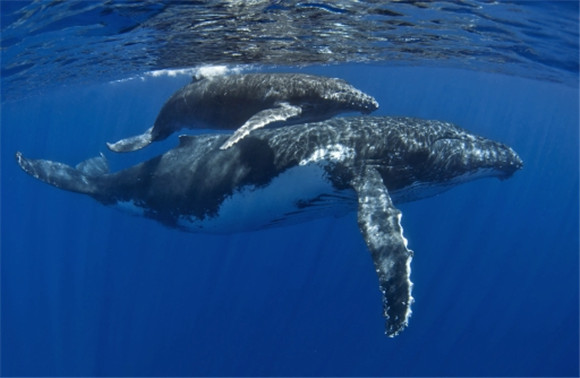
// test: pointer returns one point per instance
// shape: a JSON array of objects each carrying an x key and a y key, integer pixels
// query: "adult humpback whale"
[
  {"x": 250, "y": 101},
  {"x": 295, "y": 173}
]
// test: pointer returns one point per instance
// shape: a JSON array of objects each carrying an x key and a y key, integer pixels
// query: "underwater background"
[{"x": 90, "y": 291}]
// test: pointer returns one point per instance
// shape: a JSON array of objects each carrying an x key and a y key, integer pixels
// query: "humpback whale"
[
  {"x": 247, "y": 102},
  {"x": 293, "y": 174}
]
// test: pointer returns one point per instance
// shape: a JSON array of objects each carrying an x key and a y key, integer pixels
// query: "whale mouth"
[
  {"x": 505, "y": 162},
  {"x": 510, "y": 169},
  {"x": 370, "y": 106}
]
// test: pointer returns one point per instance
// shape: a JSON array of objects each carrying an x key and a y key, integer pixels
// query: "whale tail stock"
[
  {"x": 133, "y": 143},
  {"x": 80, "y": 179}
]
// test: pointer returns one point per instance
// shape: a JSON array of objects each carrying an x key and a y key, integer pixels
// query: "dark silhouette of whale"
[
  {"x": 250, "y": 101},
  {"x": 292, "y": 174}
]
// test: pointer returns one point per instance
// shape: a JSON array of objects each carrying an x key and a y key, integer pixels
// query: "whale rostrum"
[
  {"x": 278, "y": 176},
  {"x": 246, "y": 102}
]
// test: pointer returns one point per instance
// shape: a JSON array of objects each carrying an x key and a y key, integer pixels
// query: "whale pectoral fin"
[
  {"x": 280, "y": 113},
  {"x": 379, "y": 222},
  {"x": 133, "y": 143}
]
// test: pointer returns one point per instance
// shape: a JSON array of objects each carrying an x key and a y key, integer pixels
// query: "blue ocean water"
[{"x": 89, "y": 291}]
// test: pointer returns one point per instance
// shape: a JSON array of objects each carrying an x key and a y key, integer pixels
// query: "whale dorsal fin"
[
  {"x": 198, "y": 76},
  {"x": 202, "y": 142},
  {"x": 280, "y": 113},
  {"x": 186, "y": 140},
  {"x": 379, "y": 222}
]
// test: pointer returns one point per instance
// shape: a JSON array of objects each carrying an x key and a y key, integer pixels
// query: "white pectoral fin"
[
  {"x": 379, "y": 222},
  {"x": 280, "y": 113}
]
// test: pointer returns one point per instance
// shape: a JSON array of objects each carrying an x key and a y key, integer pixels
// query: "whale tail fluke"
[
  {"x": 81, "y": 179},
  {"x": 133, "y": 143}
]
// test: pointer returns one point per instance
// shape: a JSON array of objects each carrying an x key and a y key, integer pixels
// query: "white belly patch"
[{"x": 299, "y": 194}]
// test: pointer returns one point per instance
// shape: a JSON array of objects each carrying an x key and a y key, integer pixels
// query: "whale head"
[
  {"x": 436, "y": 156},
  {"x": 466, "y": 157}
]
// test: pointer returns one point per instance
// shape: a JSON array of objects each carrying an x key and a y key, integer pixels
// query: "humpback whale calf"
[
  {"x": 296, "y": 173},
  {"x": 250, "y": 101}
]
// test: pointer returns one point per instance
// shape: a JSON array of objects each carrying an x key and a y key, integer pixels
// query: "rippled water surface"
[
  {"x": 50, "y": 43},
  {"x": 90, "y": 291}
]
